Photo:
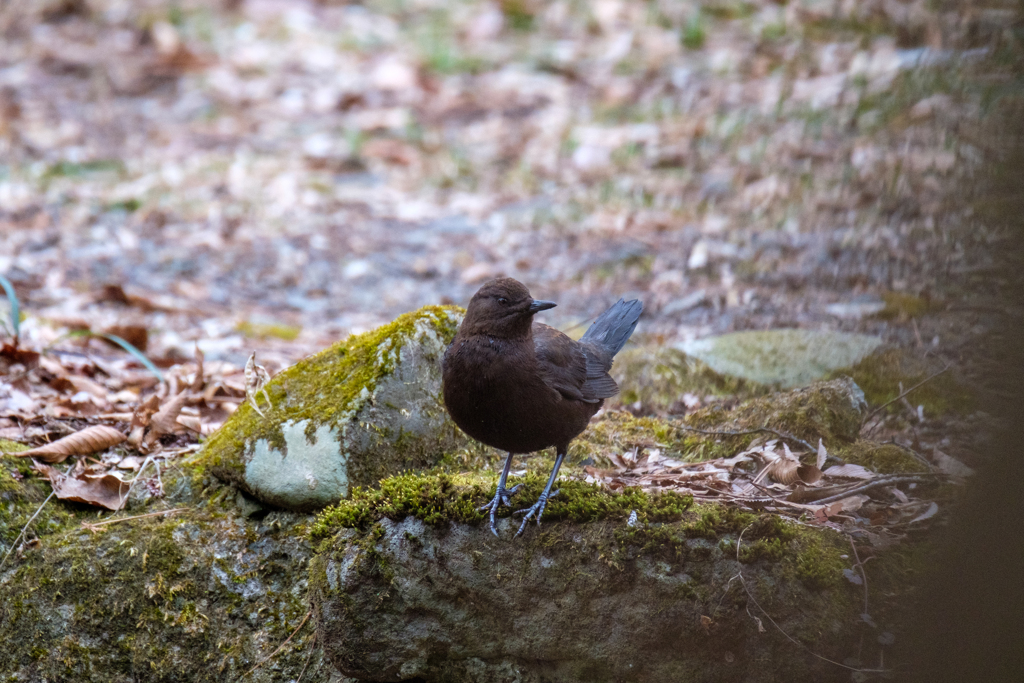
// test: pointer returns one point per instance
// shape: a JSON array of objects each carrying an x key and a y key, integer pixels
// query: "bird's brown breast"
[{"x": 495, "y": 392}]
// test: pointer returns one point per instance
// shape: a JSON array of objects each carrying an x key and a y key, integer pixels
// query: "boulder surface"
[
  {"x": 596, "y": 601},
  {"x": 362, "y": 410}
]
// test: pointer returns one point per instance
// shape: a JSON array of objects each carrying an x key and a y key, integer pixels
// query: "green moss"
[
  {"x": 7, "y": 446},
  {"x": 693, "y": 34},
  {"x": 881, "y": 374},
  {"x": 438, "y": 499},
  {"x": 818, "y": 561},
  {"x": 520, "y": 14},
  {"x": 619, "y": 431},
  {"x": 821, "y": 411},
  {"x": 22, "y": 495}
]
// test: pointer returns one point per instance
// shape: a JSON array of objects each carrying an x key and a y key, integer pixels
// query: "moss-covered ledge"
[
  {"x": 363, "y": 409},
  {"x": 831, "y": 411},
  {"x": 408, "y": 582},
  {"x": 203, "y": 593}
]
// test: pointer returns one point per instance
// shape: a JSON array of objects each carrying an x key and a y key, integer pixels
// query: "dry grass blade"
[
  {"x": 256, "y": 377},
  {"x": 86, "y": 442},
  {"x": 94, "y": 527},
  {"x": 199, "y": 380}
]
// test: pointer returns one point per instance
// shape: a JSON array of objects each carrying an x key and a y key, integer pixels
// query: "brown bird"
[{"x": 522, "y": 386}]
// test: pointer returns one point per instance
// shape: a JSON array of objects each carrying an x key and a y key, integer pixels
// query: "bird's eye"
[{"x": 502, "y": 300}]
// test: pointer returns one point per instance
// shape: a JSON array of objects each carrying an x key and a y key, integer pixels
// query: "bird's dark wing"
[
  {"x": 599, "y": 383},
  {"x": 577, "y": 371}
]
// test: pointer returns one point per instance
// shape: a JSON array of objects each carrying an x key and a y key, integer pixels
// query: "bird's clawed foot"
[
  {"x": 502, "y": 496},
  {"x": 536, "y": 509}
]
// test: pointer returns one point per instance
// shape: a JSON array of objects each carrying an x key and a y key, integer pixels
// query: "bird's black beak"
[{"x": 537, "y": 306}]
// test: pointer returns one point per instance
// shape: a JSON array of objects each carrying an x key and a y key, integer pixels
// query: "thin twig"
[
  {"x": 889, "y": 403},
  {"x": 875, "y": 483},
  {"x": 92, "y": 527},
  {"x": 797, "y": 642},
  {"x": 281, "y": 646},
  {"x": 131, "y": 484},
  {"x": 863, "y": 574},
  {"x": 15, "y": 544},
  {"x": 309, "y": 655}
]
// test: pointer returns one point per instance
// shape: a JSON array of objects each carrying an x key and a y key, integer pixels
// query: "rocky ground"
[{"x": 308, "y": 170}]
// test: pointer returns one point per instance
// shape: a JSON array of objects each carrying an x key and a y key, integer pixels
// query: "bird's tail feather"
[{"x": 613, "y": 327}]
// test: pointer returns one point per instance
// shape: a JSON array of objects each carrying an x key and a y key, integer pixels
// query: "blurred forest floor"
[{"x": 275, "y": 175}]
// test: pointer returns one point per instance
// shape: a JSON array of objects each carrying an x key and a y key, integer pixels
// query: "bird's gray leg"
[
  {"x": 502, "y": 496},
  {"x": 538, "y": 507}
]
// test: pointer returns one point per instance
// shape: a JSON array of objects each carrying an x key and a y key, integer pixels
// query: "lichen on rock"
[{"x": 359, "y": 411}]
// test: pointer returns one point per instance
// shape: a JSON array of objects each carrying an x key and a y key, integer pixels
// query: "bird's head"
[{"x": 503, "y": 308}]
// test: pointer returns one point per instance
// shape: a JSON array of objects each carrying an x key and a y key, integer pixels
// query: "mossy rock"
[
  {"x": 884, "y": 458},
  {"x": 410, "y": 585},
  {"x": 199, "y": 594},
  {"x": 782, "y": 358},
  {"x": 359, "y": 411},
  {"x": 831, "y": 411},
  {"x": 882, "y": 373},
  {"x": 658, "y": 378}
]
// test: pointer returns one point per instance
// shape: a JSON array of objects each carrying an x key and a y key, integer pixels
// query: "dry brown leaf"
[
  {"x": 136, "y": 335},
  {"x": 848, "y": 504},
  {"x": 89, "y": 440},
  {"x": 141, "y": 419},
  {"x": 145, "y": 411},
  {"x": 165, "y": 421},
  {"x": 131, "y": 462},
  {"x": 18, "y": 355},
  {"x": 191, "y": 422},
  {"x": 91, "y": 386},
  {"x": 103, "y": 490},
  {"x": 791, "y": 472},
  {"x": 81, "y": 486}
]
